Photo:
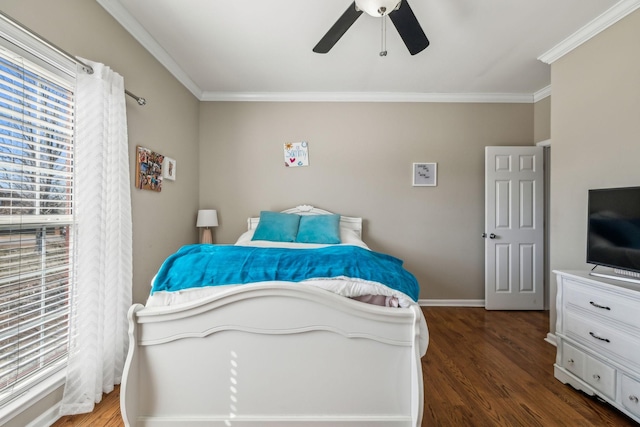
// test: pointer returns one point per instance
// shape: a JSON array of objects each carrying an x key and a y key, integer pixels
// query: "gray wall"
[
  {"x": 542, "y": 120},
  {"x": 164, "y": 221},
  {"x": 595, "y": 131},
  {"x": 361, "y": 157}
]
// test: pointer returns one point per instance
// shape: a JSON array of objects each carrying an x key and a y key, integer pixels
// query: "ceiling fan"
[{"x": 399, "y": 12}]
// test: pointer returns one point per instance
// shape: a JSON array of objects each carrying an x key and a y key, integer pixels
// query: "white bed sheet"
[{"x": 344, "y": 286}]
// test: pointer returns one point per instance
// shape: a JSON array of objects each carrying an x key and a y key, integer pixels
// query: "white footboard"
[{"x": 273, "y": 355}]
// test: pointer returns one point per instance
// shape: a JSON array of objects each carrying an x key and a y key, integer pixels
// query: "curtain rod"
[
  {"x": 87, "y": 68},
  {"x": 139, "y": 100}
]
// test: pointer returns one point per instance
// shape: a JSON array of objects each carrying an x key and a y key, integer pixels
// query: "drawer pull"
[
  {"x": 599, "y": 306},
  {"x": 599, "y": 338},
  {"x": 570, "y": 361},
  {"x": 633, "y": 398}
]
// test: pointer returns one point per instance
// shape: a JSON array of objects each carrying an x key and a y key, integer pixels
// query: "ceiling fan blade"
[
  {"x": 339, "y": 28},
  {"x": 409, "y": 28}
]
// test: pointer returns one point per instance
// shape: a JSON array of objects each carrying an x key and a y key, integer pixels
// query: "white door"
[{"x": 514, "y": 230}]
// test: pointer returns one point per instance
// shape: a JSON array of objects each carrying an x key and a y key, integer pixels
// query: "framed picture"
[
  {"x": 425, "y": 174},
  {"x": 169, "y": 168},
  {"x": 296, "y": 154},
  {"x": 148, "y": 169}
]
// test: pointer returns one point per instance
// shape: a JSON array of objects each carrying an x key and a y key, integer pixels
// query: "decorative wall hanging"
[
  {"x": 296, "y": 154},
  {"x": 425, "y": 174},
  {"x": 169, "y": 168},
  {"x": 148, "y": 169}
]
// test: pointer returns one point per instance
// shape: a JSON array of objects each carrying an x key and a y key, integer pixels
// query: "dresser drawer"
[
  {"x": 597, "y": 301},
  {"x": 596, "y": 335},
  {"x": 600, "y": 376},
  {"x": 630, "y": 394},
  {"x": 573, "y": 360}
]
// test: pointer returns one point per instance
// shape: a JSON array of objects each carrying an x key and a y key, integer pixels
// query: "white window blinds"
[{"x": 36, "y": 221}]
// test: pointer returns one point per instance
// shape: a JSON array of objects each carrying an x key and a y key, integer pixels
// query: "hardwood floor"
[
  {"x": 105, "y": 414},
  {"x": 493, "y": 368},
  {"x": 482, "y": 368}
]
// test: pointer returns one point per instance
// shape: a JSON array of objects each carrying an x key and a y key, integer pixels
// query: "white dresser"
[{"x": 598, "y": 337}]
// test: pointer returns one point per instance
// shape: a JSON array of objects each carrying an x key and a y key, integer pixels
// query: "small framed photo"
[
  {"x": 425, "y": 174},
  {"x": 169, "y": 169},
  {"x": 148, "y": 169}
]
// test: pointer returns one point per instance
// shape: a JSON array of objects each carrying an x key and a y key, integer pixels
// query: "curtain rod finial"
[{"x": 139, "y": 100}]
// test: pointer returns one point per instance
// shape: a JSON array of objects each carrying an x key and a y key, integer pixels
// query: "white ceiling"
[{"x": 262, "y": 50}]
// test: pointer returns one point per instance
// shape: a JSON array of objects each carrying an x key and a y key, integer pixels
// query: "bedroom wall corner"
[
  {"x": 595, "y": 132},
  {"x": 168, "y": 124},
  {"x": 542, "y": 120}
]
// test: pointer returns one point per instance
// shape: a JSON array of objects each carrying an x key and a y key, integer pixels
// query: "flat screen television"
[{"x": 613, "y": 230}]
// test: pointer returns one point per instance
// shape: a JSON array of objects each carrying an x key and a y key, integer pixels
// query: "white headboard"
[{"x": 348, "y": 222}]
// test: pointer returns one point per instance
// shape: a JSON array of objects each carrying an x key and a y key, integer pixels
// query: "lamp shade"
[{"x": 207, "y": 218}]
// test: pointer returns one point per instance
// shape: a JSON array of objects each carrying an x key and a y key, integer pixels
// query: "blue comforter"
[{"x": 214, "y": 265}]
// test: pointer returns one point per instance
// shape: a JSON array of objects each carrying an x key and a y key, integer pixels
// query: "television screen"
[{"x": 613, "y": 231}]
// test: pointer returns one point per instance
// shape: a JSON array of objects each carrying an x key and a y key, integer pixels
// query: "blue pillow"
[
  {"x": 277, "y": 227},
  {"x": 319, "y": 229}
]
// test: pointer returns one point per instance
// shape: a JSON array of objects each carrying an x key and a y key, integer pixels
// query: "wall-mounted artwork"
[
  {"x": 148, "y": 169},
  {"x": 169, "y": 168},
  {"x": 425, "y": 174},
  {"x": 296, "y": 154}
]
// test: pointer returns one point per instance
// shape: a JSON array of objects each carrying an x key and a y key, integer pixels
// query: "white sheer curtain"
[{"x": 102, "y": 296}]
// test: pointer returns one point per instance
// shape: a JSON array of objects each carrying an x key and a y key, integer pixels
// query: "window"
[{"x": 36, "y": 218}]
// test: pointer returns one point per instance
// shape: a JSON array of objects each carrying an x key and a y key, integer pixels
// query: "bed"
[{"x": 270, "y": 350}]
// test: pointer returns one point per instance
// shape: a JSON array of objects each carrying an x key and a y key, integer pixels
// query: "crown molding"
[
  {"x": 593, "y": 28},
  {"x": 542, "y": 94},
  {"x": 506, "y": 98},
  {"x": 124, "y": 18}
]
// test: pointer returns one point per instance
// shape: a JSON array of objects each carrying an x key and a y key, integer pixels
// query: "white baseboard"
[
  {"x": 451, "y": 302},
  {"x": 551, "y": 339}
]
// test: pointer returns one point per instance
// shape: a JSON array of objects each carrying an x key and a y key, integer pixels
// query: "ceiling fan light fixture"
[{"x": 377, "y": 8}]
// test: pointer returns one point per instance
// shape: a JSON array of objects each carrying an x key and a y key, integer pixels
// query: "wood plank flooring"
[
  {"x": 482, "y": 368},
  {"x": 493, "y": 368},
  {"x": 105, "y": 414}
]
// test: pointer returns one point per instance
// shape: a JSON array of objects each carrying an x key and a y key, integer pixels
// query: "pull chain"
[{"x": 383, "y": 42}]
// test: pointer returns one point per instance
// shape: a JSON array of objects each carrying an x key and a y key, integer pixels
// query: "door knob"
[{"x": 492, "y": 236}]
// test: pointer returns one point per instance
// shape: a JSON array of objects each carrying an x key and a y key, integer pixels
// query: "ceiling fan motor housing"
[
  {"x": 400, "y": 14},
  {"x": 377, "y": 8}
]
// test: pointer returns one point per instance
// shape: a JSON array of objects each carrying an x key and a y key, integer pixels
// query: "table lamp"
[{"x": 207, "y": 218}]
